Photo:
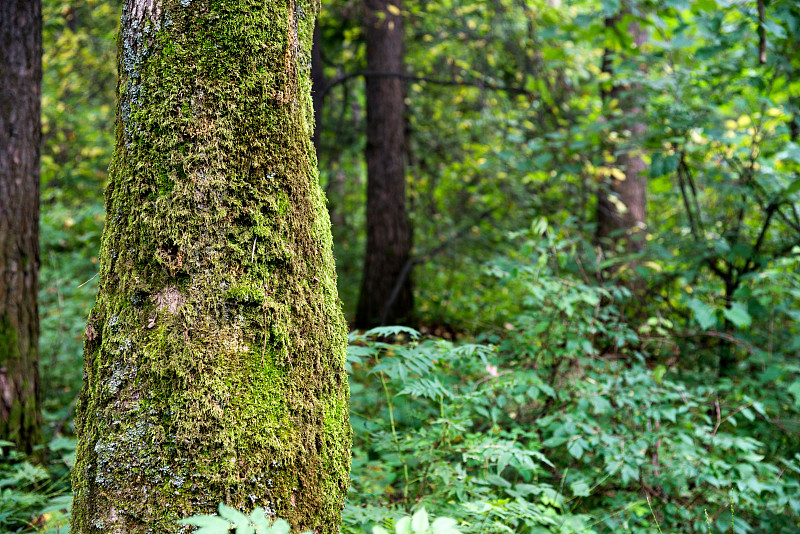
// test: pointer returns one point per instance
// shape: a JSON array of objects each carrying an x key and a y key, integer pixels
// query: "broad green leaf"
[
  {"x": 280, "y": 527},
  {"x": 419, "y": 522},
  {"x": 209, "y": 524},
  {"x": 737, "y": 314},
  {"x": 377, "y": 529},
  {"x": 445, "y": 525},
  {"x": 403, "y": 526},
  {"x": 232, "y": 514},
  {"x": 794, "y": 389},
  {"x": 260, "y": 520},
  {"x": 793, "y": 188},
  {"x": 575, "y": 448},
  {"x": 580, "y": 488},
  {"x": 704, "y": 314}
]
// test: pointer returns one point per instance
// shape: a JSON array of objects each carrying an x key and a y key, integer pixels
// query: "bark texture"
[
  {"x": 20, "y": 136},
  {"x": 388, "y": 228},
  {"x": 215, "y": 354},
  {"x": 622, "y": 203}
]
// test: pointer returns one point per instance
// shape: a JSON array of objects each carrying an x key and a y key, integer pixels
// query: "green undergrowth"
[{"x": 567, "y": 416}]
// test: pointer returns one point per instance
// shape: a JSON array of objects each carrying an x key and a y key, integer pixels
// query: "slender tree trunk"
[
  {"x": 385, "y": 298},
  {"x": 214, "y": 356},
  {"x": 622, "y": 203},
  {"x": 20, "y": 136}
]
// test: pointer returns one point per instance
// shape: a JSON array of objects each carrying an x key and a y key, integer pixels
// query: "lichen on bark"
[{"x": 214, "y": 356}]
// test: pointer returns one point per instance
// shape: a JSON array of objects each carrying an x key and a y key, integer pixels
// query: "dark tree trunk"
[
  {"x": 622, "y": 203},
  {"x": 215, "y": 354},
  {"x": 20, "y": 136},
  {"x": 386, "y": 292}
]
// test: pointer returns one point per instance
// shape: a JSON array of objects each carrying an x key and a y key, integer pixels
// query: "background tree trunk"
[
  {"x": 388, "y": 228},
  {"x": 20, "y": 136},
  {"x": 624, "y": 220},
  {"x": 214, "y": 356}
]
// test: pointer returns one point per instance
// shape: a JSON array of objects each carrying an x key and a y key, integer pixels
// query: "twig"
[
  {"x": 480, "y": 84},
  {"x": 89, "y": 280}
]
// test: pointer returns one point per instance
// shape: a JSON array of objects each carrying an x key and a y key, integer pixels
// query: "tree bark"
[
  {"x": 20, "y": 136},
  {"x": 215, "y": 354},
  {"x": 622, "y": 204},
  {"x": 388, "y": 227}
]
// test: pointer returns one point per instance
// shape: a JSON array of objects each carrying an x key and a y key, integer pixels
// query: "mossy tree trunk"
[
  {"x": 386, "y": 293},
  {"x": 214, "y": 356},
  {"x": 622, "y": 202},
  {"x": 20, "y": 136}
]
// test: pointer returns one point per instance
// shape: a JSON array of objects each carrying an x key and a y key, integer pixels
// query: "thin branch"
[
  {"x": 750, "y": 264},
  {"x": 692, "y": 225},
  {"x": 481, "y": 84},
  {"x": 722, "y": 335}
]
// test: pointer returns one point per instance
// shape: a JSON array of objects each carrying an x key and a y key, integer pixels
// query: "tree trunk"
[
  {"x": 622, "y": 203},
  {"x": 386, "y": 294},
  {"x": 215, "y": 354},
  {"x": 20, "y": 136}
]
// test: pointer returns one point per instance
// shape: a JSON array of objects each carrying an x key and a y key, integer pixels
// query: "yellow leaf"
[
  {"x": 393, "y": 9},
  {"x": 618, "y": 174}
]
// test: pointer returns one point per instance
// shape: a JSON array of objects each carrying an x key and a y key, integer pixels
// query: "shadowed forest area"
[{"x": 567, "y": 246}]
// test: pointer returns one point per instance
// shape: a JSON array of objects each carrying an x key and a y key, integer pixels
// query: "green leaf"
[
  {"x": 259, "y": 518},
  {"x": 232, "y": 514},
  {"x": 575, "y": 448},
  {"x": 793, "y": 188},
  {"x": 445, "y": 525},
  {"x": 209, "y": 524},
  {"x": 391, "y": 331},
  {"x": 280, "y": 527},
  {"x": 737, "y": 314},
  {"x": 580, "y": 488},
  {"x": 403, "y": 526},
  {"x": 419, "y": 522},
  {"x": 658, "y": 374},
  {"x": 704, "y": 314},
  {"x": 794, "y": 389},
  {"x": 377, "y": 529}
]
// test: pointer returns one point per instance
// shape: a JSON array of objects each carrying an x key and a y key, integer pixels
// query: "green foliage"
[
  {"x": 231, "y": 519},
  {"x": 32, "y": 495},
  {"x": 420, "y": 524}
]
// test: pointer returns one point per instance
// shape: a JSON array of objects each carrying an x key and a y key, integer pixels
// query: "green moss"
[
  {"x": 216, "y": 367},
  {"x": 246, "y": 293}
]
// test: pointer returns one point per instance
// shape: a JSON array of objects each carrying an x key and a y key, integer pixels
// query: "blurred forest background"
[{"x": 597, "y": 273}]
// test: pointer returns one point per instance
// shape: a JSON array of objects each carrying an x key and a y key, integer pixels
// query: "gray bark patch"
[{"x": 169, "y": 299}]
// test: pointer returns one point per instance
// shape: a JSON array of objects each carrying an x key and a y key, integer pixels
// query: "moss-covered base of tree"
[{"x": 215, "y": 354}]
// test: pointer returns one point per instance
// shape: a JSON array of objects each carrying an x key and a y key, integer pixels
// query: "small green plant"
[
  {"x": 420, "y": 524},
  {"x": 232, "y": 519}
]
